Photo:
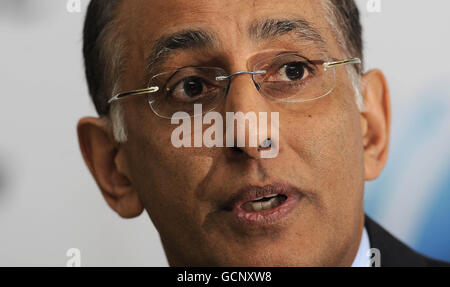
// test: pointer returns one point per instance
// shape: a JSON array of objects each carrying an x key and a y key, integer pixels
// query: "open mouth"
[
  {"x": 267, "y": 202},
  {"x": 264, "y": 204}
]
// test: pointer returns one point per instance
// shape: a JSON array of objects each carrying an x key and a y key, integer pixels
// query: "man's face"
[{"x": 188, "y": 191}]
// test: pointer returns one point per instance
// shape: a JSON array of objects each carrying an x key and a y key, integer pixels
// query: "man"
[{"x": 227, "y": 205}]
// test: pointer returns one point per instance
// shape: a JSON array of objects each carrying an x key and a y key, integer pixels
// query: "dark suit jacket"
[{"x": 393, "y": 252}]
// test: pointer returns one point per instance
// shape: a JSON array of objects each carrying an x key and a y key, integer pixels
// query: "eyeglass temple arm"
[
  {"x": 327, "y": 65},
  {"x": 133, "y": 93}
]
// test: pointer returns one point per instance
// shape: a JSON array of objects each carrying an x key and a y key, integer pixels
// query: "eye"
[
  {"x": 192, "y": 87},
  {"x": 188, "y": 89},
  {"x": 293, "y": 71}
]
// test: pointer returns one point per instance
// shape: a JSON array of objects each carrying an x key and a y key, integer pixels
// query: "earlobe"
[
  {"x": 100, "y": 152},
  {"x": 375, "y": 123}
]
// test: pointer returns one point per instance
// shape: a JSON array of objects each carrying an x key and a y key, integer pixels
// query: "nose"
[
  {"x": 248, "y": 122},
  {"x": 257, "y": 85}
]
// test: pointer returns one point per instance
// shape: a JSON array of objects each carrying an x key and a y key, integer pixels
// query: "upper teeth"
[
  {"x": 256, "y": 206},
  {"x": 266, "y": 196},
  {"x": 264, "y": 205}
]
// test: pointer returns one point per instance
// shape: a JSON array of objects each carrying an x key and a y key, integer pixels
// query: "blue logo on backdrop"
[{"x": 412, "y": 196}]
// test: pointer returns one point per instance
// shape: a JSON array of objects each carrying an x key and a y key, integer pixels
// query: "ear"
[
  {"x": 105, "y": 160},
  {"x": 375, "y": 123}
]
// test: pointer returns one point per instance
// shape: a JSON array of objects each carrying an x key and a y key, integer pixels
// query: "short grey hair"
[
  {"x": 104, "y": 51},
  {"x": 343, "y": 16}
]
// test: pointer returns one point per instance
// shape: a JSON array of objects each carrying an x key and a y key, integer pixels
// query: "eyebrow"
[
  {"x": 183, "y": 40},
  {"x": 259, "y": 30},
  {"x": 268, "y": 29}
]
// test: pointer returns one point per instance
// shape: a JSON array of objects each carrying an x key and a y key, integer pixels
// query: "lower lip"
[{"x": 267, "y": 216}]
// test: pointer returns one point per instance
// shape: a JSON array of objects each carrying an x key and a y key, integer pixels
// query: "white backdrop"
[{"x": 50, "y": 203}]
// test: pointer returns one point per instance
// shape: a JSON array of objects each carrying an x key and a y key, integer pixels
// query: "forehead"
[
  {"x": 148, "y": 20},
  {"x": 172, "y": 12}
]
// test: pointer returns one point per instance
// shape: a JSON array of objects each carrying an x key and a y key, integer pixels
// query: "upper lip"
[{"x": 253, "y": 192}]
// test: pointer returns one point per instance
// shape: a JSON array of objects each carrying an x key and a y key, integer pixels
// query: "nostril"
[
  {"x": 239, "y": 154},
  {"x": 236, "y": 149},
  {"x": 258, "y": 86}
]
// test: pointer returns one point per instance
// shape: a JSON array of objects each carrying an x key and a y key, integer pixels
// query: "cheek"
[
  {"x": 166, "y": 177},
  {"x": 326, "y": 138}
]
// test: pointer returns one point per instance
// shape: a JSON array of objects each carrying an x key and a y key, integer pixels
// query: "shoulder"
[{"x": 395, "y": 253}]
